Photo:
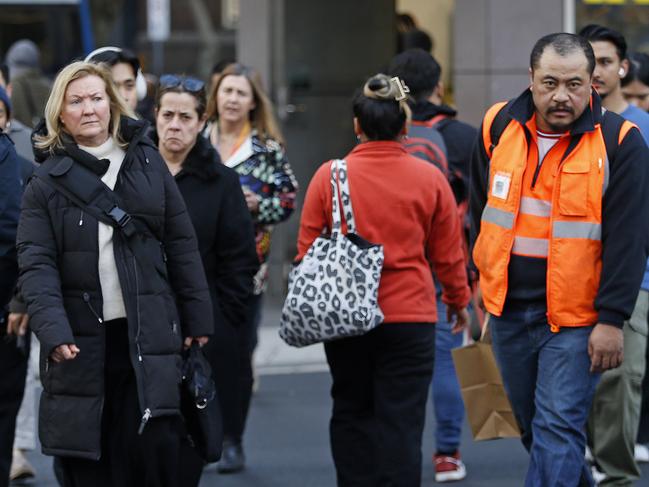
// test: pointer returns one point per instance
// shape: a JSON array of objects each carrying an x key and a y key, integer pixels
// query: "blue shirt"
[{"x": 641, "y": 119}]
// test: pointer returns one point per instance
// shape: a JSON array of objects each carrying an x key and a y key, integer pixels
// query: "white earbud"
[
  {"x": 621, "y": 72},
  {"x": 140, "y": 81}
]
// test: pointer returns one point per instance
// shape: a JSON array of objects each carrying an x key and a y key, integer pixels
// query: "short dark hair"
[
  {"x": 419, "y": 70},
  {"x": 594, "y": 33},
  {"x": 416, "y": 38},
  {"x": 563, "y": 44},
  {"x": 4, "y": 70},
  {"x": 638, "y": 69},
  {"x": 119, "y": 55},
  {"x": 379, "y": 114}
]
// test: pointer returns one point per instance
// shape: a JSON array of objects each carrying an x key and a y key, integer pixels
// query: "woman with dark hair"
[
  {"x": 381, "y": 379},
  {"x": 635, "y": 85},
  {"x": 242, "y": 128},
  {"x": 112, "y": 278},
  {"x": 223, "y": 225}
]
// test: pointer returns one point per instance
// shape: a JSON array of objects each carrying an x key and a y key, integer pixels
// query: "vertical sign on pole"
[{"x": 158, "y": 28}]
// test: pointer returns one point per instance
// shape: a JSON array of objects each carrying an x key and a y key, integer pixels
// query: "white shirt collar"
[{"x": 241, "y": 154}]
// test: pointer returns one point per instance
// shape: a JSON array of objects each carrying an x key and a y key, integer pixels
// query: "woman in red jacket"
[{"x": 381, "y": 379}]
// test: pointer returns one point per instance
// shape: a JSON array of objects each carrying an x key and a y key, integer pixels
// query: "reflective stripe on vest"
[
  {"x": 531, "y": 246},
  {"x": 498, "y": 217},
  {"x": 590, "y": 231},
  {"x": 535, "y": 207},
  {"x": 532, "y": 241}
]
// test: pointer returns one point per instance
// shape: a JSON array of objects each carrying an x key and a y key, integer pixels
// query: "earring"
[{"x": 358, "y": 139}]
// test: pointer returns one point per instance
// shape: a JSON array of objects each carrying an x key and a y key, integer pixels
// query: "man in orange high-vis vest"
[{"x": 560, "y": 217}]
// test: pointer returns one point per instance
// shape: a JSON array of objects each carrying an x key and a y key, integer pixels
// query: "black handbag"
[{"x": 200, "y": 406}]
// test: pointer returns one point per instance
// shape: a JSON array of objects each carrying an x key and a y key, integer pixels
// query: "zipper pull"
[
  {"x": 139, "y": 352},
  {"x": 81, "y": 219},
  {"x": 599, "y": 163},
  {"x": 86, "y": 299},
  {"x": 145, "y": 419}
]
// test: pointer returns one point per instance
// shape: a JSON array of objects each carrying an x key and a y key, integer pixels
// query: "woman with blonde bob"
[
  {"x": 111, "y": 297},
  {"x": 243, "y": 130}
]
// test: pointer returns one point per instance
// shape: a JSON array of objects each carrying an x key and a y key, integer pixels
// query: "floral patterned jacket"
[{"x": 264, "y": 170}]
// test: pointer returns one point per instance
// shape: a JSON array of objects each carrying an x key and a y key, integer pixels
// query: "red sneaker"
[{"x": 449, "y": 468}]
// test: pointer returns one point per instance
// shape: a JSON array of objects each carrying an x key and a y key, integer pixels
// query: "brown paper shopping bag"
[{"x": 487, "y": 406}]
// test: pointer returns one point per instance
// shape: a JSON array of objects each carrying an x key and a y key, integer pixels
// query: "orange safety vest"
[{"x": 555, "y": 213}]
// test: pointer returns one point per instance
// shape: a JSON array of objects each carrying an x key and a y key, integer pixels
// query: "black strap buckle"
[{"x": 120, "y": 216}]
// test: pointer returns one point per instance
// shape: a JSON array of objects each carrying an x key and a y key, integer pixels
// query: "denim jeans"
[
  {"x": 547, "y": 378},
  {"x": 445, "y": 388}
]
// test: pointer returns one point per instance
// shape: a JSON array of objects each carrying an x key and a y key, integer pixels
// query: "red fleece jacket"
[{"x": 406, "y": 205}]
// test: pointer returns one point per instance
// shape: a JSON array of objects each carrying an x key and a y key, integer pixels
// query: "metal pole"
[
  {"x": 158, "y": 56},
  {"x": 87, "y": 37},
  {"x": 569, "y": 16}
]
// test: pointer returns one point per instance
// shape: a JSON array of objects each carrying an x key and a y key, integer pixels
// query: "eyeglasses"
[{"x": 192, "y": 85}]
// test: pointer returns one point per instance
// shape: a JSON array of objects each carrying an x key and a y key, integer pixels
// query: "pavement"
[{"x": 287, "y": 442}]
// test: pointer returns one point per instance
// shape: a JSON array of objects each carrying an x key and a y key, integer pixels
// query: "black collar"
[
  {"x": 425, "y": 110},
  {"x": 202, "y": 160},
  {"x": 523, "y": 109}
]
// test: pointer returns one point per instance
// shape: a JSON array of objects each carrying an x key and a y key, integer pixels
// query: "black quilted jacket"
[{"x": 59, "y": 279}]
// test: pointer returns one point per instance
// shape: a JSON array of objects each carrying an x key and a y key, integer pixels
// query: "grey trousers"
[{"x": 615, "y": 414}]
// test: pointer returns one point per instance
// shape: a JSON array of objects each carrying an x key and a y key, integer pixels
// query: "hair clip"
[{"x": 402, "y": 87}]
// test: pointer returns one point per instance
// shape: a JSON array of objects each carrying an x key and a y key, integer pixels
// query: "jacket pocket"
[{"x": 573, "y": 188}]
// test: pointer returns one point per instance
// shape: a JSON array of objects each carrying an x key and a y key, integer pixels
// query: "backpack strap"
[
  {"x": 440, "y": 121},
  {"x": 437, "y": 122},
  {"x": 498, "y": 125},
  {"x": 86, "y": 190}
]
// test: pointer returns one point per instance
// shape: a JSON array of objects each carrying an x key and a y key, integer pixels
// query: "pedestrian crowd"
[{"x": 136, "y": 222}]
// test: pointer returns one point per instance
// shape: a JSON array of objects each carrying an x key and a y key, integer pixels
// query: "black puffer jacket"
[
  {"x": 59, "y": 279},
  {"x": 224, "y": 229}
]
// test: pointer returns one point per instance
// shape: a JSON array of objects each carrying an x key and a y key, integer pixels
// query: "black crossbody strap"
[{"x": 86, "y": 190}]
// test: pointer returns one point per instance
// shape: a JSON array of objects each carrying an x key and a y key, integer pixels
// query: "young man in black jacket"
[{"x": 421, "y": 72}]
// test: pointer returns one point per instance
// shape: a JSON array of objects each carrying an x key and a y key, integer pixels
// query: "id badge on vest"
[{"x": 500, "y": 185}]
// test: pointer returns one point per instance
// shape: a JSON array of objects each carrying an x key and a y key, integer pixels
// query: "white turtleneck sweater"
[{"x": 111, "y": 289}]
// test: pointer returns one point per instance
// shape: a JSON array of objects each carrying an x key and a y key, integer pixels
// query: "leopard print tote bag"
[{"x": 333, "y": 291}]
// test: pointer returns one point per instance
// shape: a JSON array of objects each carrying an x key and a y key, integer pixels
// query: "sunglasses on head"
[{"x": 191, "y": 85}]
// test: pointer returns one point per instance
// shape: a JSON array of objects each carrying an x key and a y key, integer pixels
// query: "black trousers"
[
  {"x": 13, "y": 365},
  {"x": 248, "y": 339},
  {"x": 151, "y": 459},
  {"x": 222, "y": 351},
  {"x": 380, "y": 388},
  {"x": 230, "y": 357}
]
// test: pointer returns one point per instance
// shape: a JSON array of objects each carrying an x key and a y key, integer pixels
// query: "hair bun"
[
  {"x": 383, "y": 87},
  {"x": 376, "y": 83}
]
